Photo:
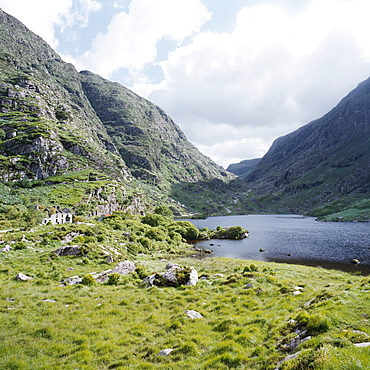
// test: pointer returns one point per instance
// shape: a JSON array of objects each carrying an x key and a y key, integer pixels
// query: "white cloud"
[
  {"x": 274, "y": 72},
  {"x": 131, "y": 38},
  {"x": 42, "y": 16}
]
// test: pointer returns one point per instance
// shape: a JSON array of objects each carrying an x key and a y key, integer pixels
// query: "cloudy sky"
[{"x": 233, "y": 74}]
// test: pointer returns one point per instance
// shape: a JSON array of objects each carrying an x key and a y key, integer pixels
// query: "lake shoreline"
[{"x": 293, "y": 239}]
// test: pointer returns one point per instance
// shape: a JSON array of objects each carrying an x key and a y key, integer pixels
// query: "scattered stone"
[
  {"x": 248, "y": 286},
  {"x": 68, "y": 250},
  {"x": 109, "y": 259},
  {"x": 124, "y": 268},
  {"x": 172, "y": 265},
  {"x": 300, "y": 338},
  {"x": 290, "y": 357},
  {"x": 165, "y": 352},
  {"x": 173, "y": 277},
  {"x": 7, "y": 248},
  {"x": 72, "y": 281},
  {"x": 150, "y": 279},
  {"x": 70, "y": 268},
  {"x": 49, "y": 300},
  {"x": 10, "y": 299},
  {"x": 366, "y": 344},
  {"x": 207, "y": 251},
  {"x": 194, "y": 314},
  {"x": 23, "y": 277},
  {"x": 355, "y": 261},
  {"x": 309, "y": 302},
  {"x": 218, "y": 275}
]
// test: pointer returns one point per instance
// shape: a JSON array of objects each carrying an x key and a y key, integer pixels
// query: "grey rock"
[
  {"x": 287, "y": 358},
  {"x": 49, "y": 300},
  {"x": 169, "y": 278},
  {"x": 248, "y": 286},
  {"x": 68, "y": 250},
  {"x": 165, "y": 352},
  {"x": 72, "y": 280},
  {"x": 7, "y": 248},
  {"x": 194, "y": 314},
  {"x": 172, "y": 265},
  {"x": 193, "y": 277},
  {"x": 218, "y": 275},
  {"x": 124, "y": 268},
  {"x": 150, "y": 279},
  {"x": 365, "y": 344},
  {"x": 22, "y": 277}
]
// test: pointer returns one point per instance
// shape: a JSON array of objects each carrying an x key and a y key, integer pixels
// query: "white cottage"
[{"x": 57, "y": 215}]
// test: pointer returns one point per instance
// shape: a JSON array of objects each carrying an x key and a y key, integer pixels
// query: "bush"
[
  {"x": 88, "y": 280},
  {"x": 153, "y": 220},
  {"x": 114, "y": 279},
  {"x": 20, "y": 246}
]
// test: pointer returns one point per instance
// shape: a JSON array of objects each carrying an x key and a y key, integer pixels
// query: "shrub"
[
  {"x": 153, "y": 219},
  {"x": 20, "y": 245},
  {"x": 163, "y": 211},
  {"x": 114, "y": 279},
  {"x": 88, "y": 280}
]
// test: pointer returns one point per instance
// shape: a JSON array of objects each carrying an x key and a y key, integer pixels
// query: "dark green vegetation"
[{"x": 254, "y": 314}]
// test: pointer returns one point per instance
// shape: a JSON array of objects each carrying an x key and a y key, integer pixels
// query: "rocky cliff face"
[
  {"x": 151, "y": 144},
  {"x": 323, "y": 161},
  {"x": 47, "y": 124},
  {"x": 54, "y": 120}
]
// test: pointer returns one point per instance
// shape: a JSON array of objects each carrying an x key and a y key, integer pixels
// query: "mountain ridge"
[{"x": 55, "y": 121}]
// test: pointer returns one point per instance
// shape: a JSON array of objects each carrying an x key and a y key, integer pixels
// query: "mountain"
[
  {"x": 61, "y": 126},
  {"x": 147, "y": 139},
  {"x": 324, "y": 162},
  {"x": 244, "y": 167}
]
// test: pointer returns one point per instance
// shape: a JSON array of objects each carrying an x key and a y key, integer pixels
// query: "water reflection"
[{"x": 294, "y": 239}]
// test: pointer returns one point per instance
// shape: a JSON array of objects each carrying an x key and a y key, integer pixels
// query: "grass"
[{"x": 251, "y": 312}]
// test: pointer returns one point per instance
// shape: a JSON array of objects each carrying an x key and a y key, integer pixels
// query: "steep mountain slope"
[
  {"x": 323, "y": 161},
  {"x": 91, "y": 139},
  {"x": 244, "y": 167},
  {"x": 151, "y": 144},
  {"x": 47, "y": 124}
]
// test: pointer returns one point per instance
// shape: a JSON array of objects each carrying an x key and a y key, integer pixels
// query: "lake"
[{"x": 294, "y": 239}]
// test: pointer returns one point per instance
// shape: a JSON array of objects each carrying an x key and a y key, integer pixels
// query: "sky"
[{"x": 233, "y": 74}]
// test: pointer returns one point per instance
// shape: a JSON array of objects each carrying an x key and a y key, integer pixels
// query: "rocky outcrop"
[{"x": 174, "y": 276}]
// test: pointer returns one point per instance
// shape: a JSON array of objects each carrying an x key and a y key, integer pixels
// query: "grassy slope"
[{"x": 125, "y": 326}]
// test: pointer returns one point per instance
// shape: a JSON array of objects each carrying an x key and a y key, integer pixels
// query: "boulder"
[
  {"x": 72, "y": 281},
  {"x": 68, "y": 250},
  {"x": 174, "y": 276},
  {"x": 194, "y": 314},
  {"x": 165, "y": 352},
  {"x": 124, "y": 268},
  {"x": 7, "y": 248},
  {"x": 22, "y": 277}
]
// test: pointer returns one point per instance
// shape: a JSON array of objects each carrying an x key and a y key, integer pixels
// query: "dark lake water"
[{"x": 294, "y": 239}]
